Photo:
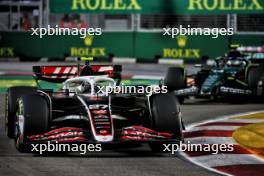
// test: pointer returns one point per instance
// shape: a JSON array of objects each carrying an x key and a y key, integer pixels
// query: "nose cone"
[
  {"x": 206, "y": 91},
  {"x": 210, "y": 84}
]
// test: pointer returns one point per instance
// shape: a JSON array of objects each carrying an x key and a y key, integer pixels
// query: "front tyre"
[
  {"x": 166, "y": 117},
  {"x": 32, "y": 117},
  {"x": 13, "y": 93}
]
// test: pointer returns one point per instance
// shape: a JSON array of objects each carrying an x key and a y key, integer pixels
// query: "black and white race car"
[{"x": 78, "y": 113}]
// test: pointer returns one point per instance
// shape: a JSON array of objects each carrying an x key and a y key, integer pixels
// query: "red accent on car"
[
  {"x": 99, "y": 112},
  {"x": 103, "y": 131},
  {"x": 72, "y": 71},
  {"x": 142, "y": 133},
  {"x": 58, "y": 134}
]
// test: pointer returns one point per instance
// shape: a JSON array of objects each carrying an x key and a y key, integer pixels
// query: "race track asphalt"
[{"x": 114, "y": 162}]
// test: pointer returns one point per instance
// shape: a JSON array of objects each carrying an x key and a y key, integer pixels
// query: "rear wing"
[
  {"x": 250, "y": 49},
  {"x": 59, "y": 74},
  {"x": 257, "y": 57}
]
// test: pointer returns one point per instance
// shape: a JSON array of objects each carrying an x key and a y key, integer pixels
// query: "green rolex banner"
[{"x": 158, "y": 6}]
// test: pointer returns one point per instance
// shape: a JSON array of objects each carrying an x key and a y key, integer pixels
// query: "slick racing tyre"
[
  {"x": 253, "y": 76},
  {"x": 166, "y": 117},
  {"x": 32, "y": 117},
  {"x": 260, "y": 87},
  {"x": 175, "y": 78},
  {"x": 12, "y": 95}
]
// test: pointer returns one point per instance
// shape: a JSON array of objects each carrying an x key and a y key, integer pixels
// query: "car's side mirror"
[
  {"x": 212, "y": 63},
  {"x": 198, "y": 65}
]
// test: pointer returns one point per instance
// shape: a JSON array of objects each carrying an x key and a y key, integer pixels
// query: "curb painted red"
[{"x": 239, "y": 162}]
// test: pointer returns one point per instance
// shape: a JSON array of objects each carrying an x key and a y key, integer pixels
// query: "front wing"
[
  {"x": 72, "y": 134},
  {"x": 223, "y": 90}
]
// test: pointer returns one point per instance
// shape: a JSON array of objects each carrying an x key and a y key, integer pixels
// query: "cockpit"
[
  {"x": 231, "y": 62},
  {"x": 89, "y": 85},
  {"x": 237, "y": 62}
]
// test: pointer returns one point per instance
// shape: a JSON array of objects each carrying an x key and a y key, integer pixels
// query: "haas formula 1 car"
[
  {"x": 78, "y": 113},
  {"x": 234, "y": 76}
]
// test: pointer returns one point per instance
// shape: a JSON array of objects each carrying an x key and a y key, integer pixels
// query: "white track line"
[
  {"x": 211, "y": 140},
  {"x": 227, "y": 160},
  {"x": 224, "y": 128},
  {"x": 243, "y": 120},
  {"x": 224, "y": 118}
]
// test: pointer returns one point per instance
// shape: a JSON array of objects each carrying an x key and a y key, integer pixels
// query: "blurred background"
[
  {"x": 131, "y": 28},
  {"x": 132, "y": 33}
]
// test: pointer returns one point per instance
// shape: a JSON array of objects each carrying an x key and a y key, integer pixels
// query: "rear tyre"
[
  {"x": 166, "y": 117},
  {"x": 12, "y": 95},
  {"x": 32, "y": 118},
  {"x": 253, "y": 76},
  {"x": 175, "y": 78},
  {"x": 260, "y": 87}
]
